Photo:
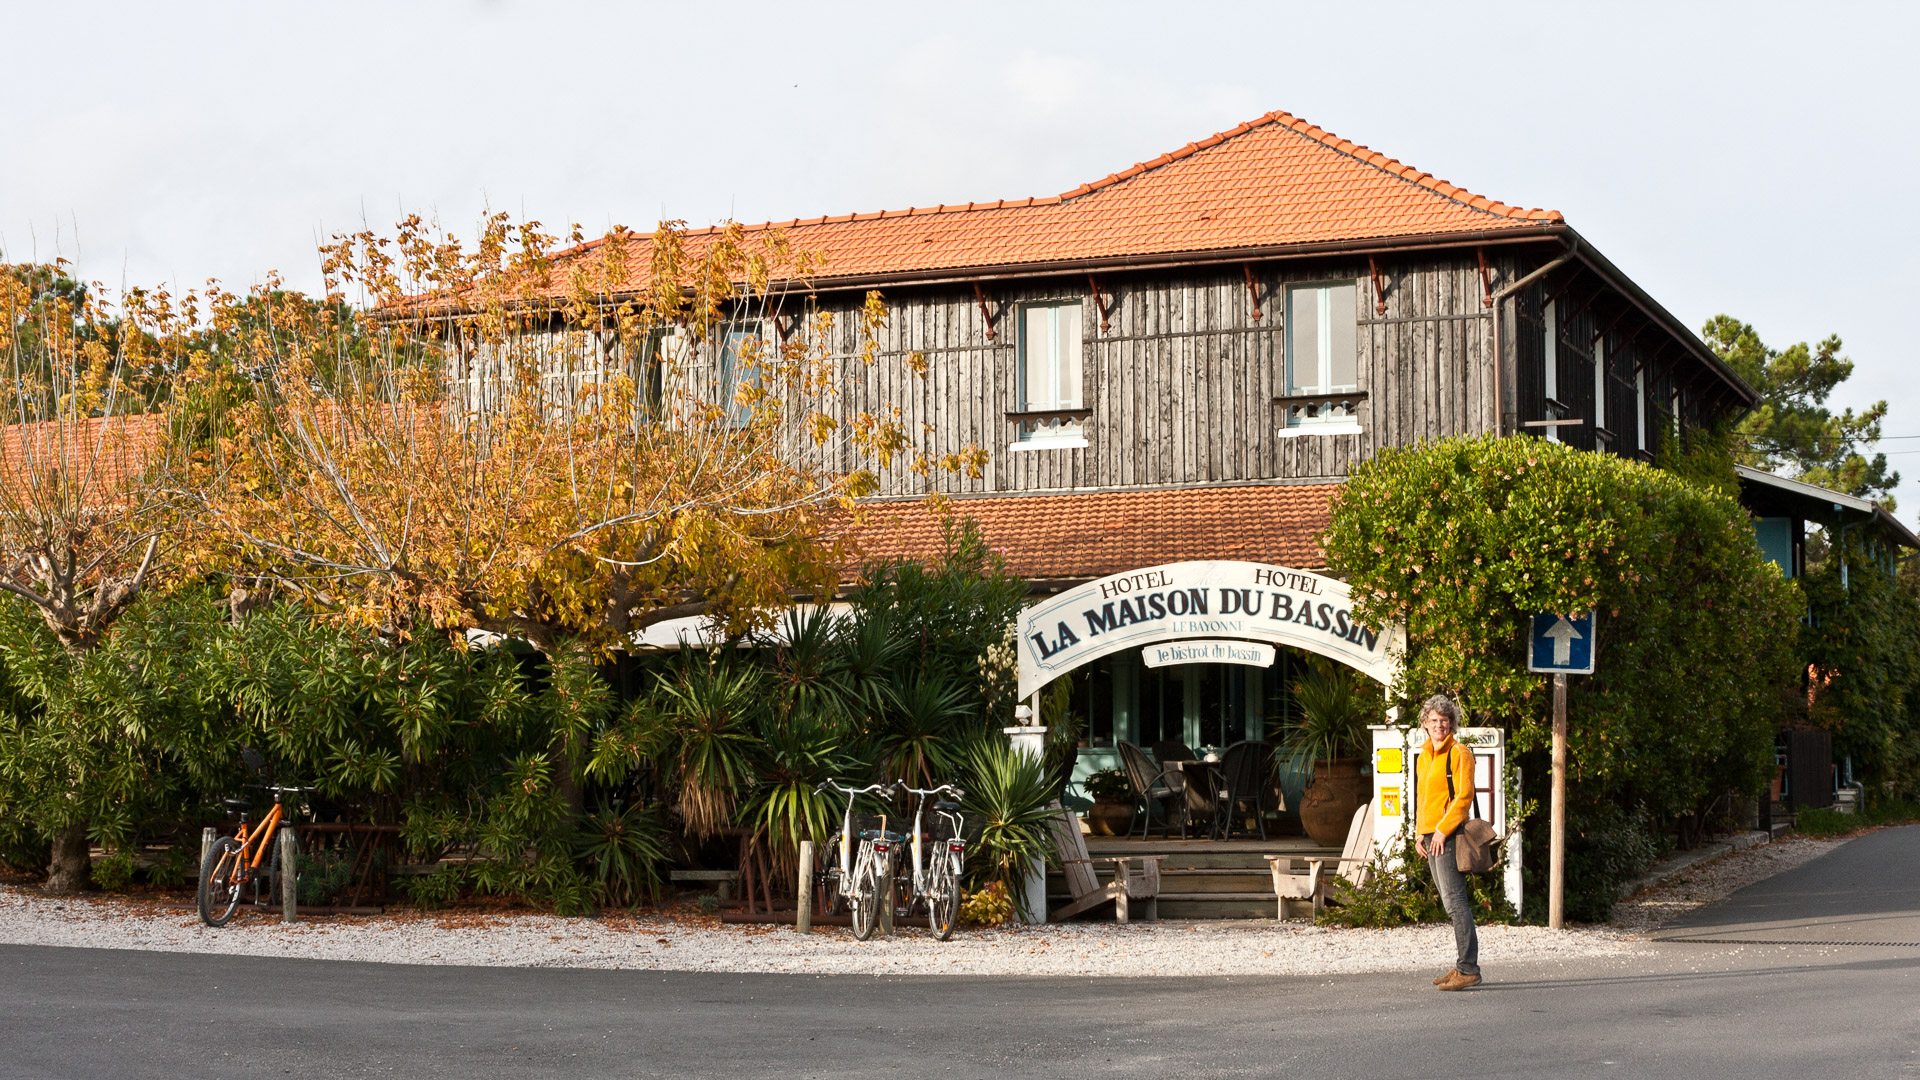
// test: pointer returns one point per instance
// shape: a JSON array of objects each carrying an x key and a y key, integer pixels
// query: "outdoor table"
[{"x": 1198, "y": 780}]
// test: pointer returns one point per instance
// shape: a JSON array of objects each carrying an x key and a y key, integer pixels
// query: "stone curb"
[{"x": 1672, "y": 865}]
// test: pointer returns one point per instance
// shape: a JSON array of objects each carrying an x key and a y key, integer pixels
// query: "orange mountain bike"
[{"x": 234, "y": 862}]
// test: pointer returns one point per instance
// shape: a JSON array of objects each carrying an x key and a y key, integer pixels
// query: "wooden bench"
[{"x": 724, "y": 880}]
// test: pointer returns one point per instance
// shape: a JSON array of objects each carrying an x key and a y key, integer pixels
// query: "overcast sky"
[{"x": 1756, "y": 159}]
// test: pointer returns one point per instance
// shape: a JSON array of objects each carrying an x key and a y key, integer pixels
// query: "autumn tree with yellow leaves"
[
  {"x": 83, "y": 533},
  {"x": 496, "y": 437}
]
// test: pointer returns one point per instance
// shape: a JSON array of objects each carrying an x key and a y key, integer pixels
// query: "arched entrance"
[{"x": 1205, "y": 612}]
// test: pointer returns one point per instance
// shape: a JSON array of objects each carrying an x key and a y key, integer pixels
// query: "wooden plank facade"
[{"x": 1181, "y": 387}]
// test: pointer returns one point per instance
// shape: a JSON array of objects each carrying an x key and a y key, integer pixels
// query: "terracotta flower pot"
[
  {"x": 1110, "y": 818},
  {"x": 1326, "y": 810}
]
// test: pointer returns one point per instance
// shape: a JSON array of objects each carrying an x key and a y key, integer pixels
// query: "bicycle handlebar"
[
  {"x": 957, "y": 793},
  {"x": 877, "y": 789}
]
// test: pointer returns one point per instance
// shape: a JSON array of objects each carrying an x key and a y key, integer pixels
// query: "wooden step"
[{"x": 1177, "y": 897}]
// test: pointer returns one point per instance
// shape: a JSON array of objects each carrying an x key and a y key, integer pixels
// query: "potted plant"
[
  {"x": 1112, "y": 810},
  {"x": 1328, "y": 733}
]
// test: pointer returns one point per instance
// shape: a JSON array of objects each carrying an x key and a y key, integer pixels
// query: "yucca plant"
[
  {"x": 796, "y": 753},
  {"x": 1007, "y": 795},
  {"x": 624, "y": 847},
  {"x": 916, "y": 740},
  {"x": 709, "y": 739}
]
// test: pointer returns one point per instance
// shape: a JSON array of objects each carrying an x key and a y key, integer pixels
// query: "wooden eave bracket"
[
  {"x": 1379, "y": 287},
  {"x": 1253, "y": 290},
  {"x": 980, "y": 297},
  {"x": 1099, "y": 302},
  {"x": 1486, "y": 278}
]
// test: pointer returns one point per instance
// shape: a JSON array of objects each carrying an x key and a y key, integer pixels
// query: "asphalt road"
[{"x": 1697, "y": 1011}]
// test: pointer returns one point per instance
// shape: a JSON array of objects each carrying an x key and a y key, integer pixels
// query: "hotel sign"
[{"x": 1210, "y": 601}]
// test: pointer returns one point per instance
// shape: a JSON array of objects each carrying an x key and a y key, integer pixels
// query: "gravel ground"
[{"x": 675, "y": 942}]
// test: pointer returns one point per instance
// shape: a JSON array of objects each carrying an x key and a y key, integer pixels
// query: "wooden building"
[{"x": 1180, "y": 361}]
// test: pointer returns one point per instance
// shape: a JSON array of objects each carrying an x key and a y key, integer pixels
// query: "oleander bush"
[{"x": 529, "y": 774}]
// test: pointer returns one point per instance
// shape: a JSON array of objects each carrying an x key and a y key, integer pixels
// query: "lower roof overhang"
[{"x": 1058, "y": 539}]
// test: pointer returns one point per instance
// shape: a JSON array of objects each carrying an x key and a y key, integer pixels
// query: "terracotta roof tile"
[
  {"x": 1099, "y": 533},
  {"x": 1271, "y": 182},
  {"x": 108, "y": 452}
]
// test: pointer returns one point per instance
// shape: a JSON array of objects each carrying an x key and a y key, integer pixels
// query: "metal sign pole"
[{"x": 1557, "y": 842}]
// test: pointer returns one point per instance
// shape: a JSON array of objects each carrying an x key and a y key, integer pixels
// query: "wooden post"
[
  {"x": 885, "y": 900},
  {"x": 289, "y": 876},
  {"x": 803, "y": 891},
  {"x": 208, "y": 837},
  {"x": 1557, "y": 840}
]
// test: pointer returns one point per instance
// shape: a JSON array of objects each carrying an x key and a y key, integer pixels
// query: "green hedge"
[{"x": 1462, "y": 540}]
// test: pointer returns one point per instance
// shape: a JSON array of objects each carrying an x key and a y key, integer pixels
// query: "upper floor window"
[
  {"x": 739, "y": 355},
  {"x": 732, "y": 356},
  {"x": 1050, "y": 379},
  {"x": 1600, "y": 384},
  {"x": 1551, "y": 368},
  {"x": 1640, "y": 409},
  {"x": 1323, "y": 356}
]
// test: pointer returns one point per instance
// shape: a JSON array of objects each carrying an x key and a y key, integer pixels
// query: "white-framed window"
[
  {"x": 1323, "y": 359},
  {"x": 1550, "y": 377},
  {"x": 739, "y": 353},
  {"x": 1050, "y": 378},
  {"x": 1600, "y": 385},
  {"x": 713, "y": 369},
  {"x": 1640, "y": 408}
]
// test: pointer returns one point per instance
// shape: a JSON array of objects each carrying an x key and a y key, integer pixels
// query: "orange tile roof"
[
  {"x": 1094, "y": 534},
  {"x": 1272, "y": 182},
  {"x": 108, "y": 452}
]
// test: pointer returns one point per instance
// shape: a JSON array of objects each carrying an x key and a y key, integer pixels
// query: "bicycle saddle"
[
  {"x": 876, "y": 834},
  {"x": 237, "y": 804},
  {"x": 946, "y": 807}
]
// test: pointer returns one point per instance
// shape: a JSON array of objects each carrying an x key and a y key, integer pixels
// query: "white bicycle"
[
  {"x": 939, "y": 853},
  {"x": 859, "y": 867}
]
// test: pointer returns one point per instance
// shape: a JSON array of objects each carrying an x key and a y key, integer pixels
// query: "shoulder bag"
[{"x": 1473, "y": 846}]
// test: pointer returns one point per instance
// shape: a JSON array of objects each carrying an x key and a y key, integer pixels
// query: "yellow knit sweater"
[{"x": 1437, "y": 814}]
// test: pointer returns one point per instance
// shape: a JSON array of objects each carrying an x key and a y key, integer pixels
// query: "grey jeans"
[{"x": 1459, "y": 904}]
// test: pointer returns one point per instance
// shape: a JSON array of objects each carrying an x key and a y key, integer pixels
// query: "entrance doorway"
[{"x": 1204, "y": 706}]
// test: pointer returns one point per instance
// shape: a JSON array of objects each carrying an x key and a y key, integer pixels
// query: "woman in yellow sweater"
[{"x": 1443, "y": 809}]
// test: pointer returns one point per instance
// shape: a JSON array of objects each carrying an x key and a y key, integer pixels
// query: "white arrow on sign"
[{"x": 1563, "y": 635}]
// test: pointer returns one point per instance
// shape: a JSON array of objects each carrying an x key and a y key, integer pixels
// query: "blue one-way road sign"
[{"x": 1562, "y": 644}]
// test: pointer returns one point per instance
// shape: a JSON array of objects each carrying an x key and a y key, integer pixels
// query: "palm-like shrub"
[
  {"x": 1330, "y": 716},
  {"x": 1007, "y": 795},
  {"x": 625, "y": 848},
  {"x": 917, "y": 737},
  {"x": 704, "y": 732}
]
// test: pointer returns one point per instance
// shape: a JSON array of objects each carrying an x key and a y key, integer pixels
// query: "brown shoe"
[
  {"x": 1450, "y": 974},
  {"x": 1457, "y": 981}
]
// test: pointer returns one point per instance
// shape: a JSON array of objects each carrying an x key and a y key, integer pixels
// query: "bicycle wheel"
[
  {"x": 943, "y": 900},
  {"x": 219, "y": 881},
  {"x": 864, "y": 894},
  {"x": 832, "y": 900}
]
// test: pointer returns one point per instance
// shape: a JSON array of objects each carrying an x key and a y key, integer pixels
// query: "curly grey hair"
[{"x": 1445, "y": 706}]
